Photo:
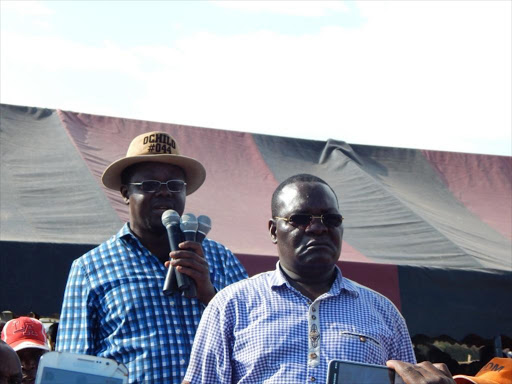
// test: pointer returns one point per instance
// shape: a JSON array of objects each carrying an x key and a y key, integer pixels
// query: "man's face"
[
  {"x": 29, "y": 358},
  {"x": 10, "y": 367},
  {"x": 313, "y": 250},
  {"x": 146, "y": 208}
]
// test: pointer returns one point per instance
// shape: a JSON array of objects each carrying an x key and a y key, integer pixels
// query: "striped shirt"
[
  {"x": 114, "y": 307},
  {"x": 262, "y": 330}
]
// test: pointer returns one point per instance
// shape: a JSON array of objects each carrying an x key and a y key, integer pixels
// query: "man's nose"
[
  {"x": 29, "y": 364},
  {"x": 316, "y": 226},
  {"x": 163, "y": 190}
]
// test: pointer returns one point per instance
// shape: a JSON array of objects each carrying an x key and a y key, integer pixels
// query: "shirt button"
[
  {"x": 313, "y": 355},
  {"x": 313, "y": 317},
  {"x": 172, "y": 303},
  {"x": 312, "y": 378},
  {"x": 362, "y": 339},
  {"x": 182, "y": 361}
]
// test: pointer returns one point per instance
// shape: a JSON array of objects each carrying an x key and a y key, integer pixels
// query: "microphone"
[
  {"x": 204, "y": 224},
  {"x": 171, "y": 222},
  {"x": 188, "y": 226}
]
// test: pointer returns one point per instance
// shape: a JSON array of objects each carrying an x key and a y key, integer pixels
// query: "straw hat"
[{"x": 157, "y": 147}]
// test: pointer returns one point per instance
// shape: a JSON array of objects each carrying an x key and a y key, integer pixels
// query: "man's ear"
[
  {"x": 272, "y": 230},
  {"x": 124, "y": 193}
]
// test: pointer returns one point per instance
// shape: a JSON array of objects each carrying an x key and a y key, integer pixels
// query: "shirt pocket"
[{"x": 362, "y": 346}]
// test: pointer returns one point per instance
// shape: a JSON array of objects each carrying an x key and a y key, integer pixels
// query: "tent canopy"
[{"x": 431, "y": 230}]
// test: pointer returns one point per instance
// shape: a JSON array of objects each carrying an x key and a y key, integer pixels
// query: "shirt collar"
[
  {"x": 125, "y": 231},
  {"x": 340, "y": 285},
  {"x": 126, "y": 234}
]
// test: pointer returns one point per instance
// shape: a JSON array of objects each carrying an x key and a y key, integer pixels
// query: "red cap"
[{"x": 25, "y": 332}]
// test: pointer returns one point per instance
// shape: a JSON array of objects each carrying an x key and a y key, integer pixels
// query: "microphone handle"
[
  {"x": 171, "y": 279},
  {"x": 189, "y": 235},
  {"x": 189, "y": 289},
  {"x": 200, "y": 236},
  {"x": 183, "y": 281}
]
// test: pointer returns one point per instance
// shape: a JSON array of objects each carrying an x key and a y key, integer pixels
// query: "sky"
[{"x": 414, "y": 74}]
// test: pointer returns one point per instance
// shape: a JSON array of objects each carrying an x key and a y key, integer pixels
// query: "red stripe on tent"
[{"x": 487, "y": 176}]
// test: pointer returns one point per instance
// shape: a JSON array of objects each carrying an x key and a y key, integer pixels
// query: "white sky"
[{"x": 414, "y": 74}]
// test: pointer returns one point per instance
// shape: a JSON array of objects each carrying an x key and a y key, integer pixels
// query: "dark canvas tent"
[{"x": 431, "y": 230}]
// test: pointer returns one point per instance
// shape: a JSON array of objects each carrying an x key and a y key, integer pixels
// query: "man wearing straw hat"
[{"x": 113, "y": 305}]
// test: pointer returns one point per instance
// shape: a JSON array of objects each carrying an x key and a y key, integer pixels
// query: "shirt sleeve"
[
  {"x": 77, "y": 319},
  {"x": 227, "y": 269},
  {"x": 402, "y": 348},
  {"x": 210, "y": 360},
  {"x": 234, "y": 269}
]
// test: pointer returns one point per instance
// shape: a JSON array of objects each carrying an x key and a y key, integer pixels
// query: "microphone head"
[
  {"x": 204, "y": 224},
  {"x": 188, "y": 222},
  {"x": 170, "y": 217}
]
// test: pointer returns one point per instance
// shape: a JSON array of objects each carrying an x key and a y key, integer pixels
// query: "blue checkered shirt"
[
  {"x": 114, "y": 307},
  {"x": 262, "y": 330}
]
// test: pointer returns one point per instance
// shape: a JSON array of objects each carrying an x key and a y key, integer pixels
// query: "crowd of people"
[
  {"x": 27, "y": 337},
  {"x": 282, "y": 326}
]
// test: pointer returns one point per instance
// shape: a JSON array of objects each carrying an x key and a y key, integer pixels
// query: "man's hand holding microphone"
[{"x": 188, "y": 270}]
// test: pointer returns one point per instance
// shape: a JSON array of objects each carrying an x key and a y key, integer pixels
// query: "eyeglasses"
[
  {"x": 151, "y": 186},
  {"x": 330, "y": 220}
]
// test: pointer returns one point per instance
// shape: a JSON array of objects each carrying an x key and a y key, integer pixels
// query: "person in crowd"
[
  {"x": 34, "y": 315},
  {"x": 7, "y": 315},
  {"x": 113, "y": 304},
  {"x": 27, "y": 337},
  {"x": 497, "y": 371},
  {"x": 284, "y": 326},
  {"x": 10, "y": 367},
  {"x": 51, "y": 333}
]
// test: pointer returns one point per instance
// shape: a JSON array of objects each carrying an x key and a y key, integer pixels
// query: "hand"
[
  {"x": 422, "y": 373},
  {"x": 190, "y": 261}
]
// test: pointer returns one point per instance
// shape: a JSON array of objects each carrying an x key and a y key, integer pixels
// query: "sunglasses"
[
  {"x": 330, "y": 220},
  {"x": 152, "y": 186}
]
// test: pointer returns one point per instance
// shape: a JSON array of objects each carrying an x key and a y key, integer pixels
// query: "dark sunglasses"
[
  {"x": 330, "y": 220},
  {"x": 151, "y": 186}
]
